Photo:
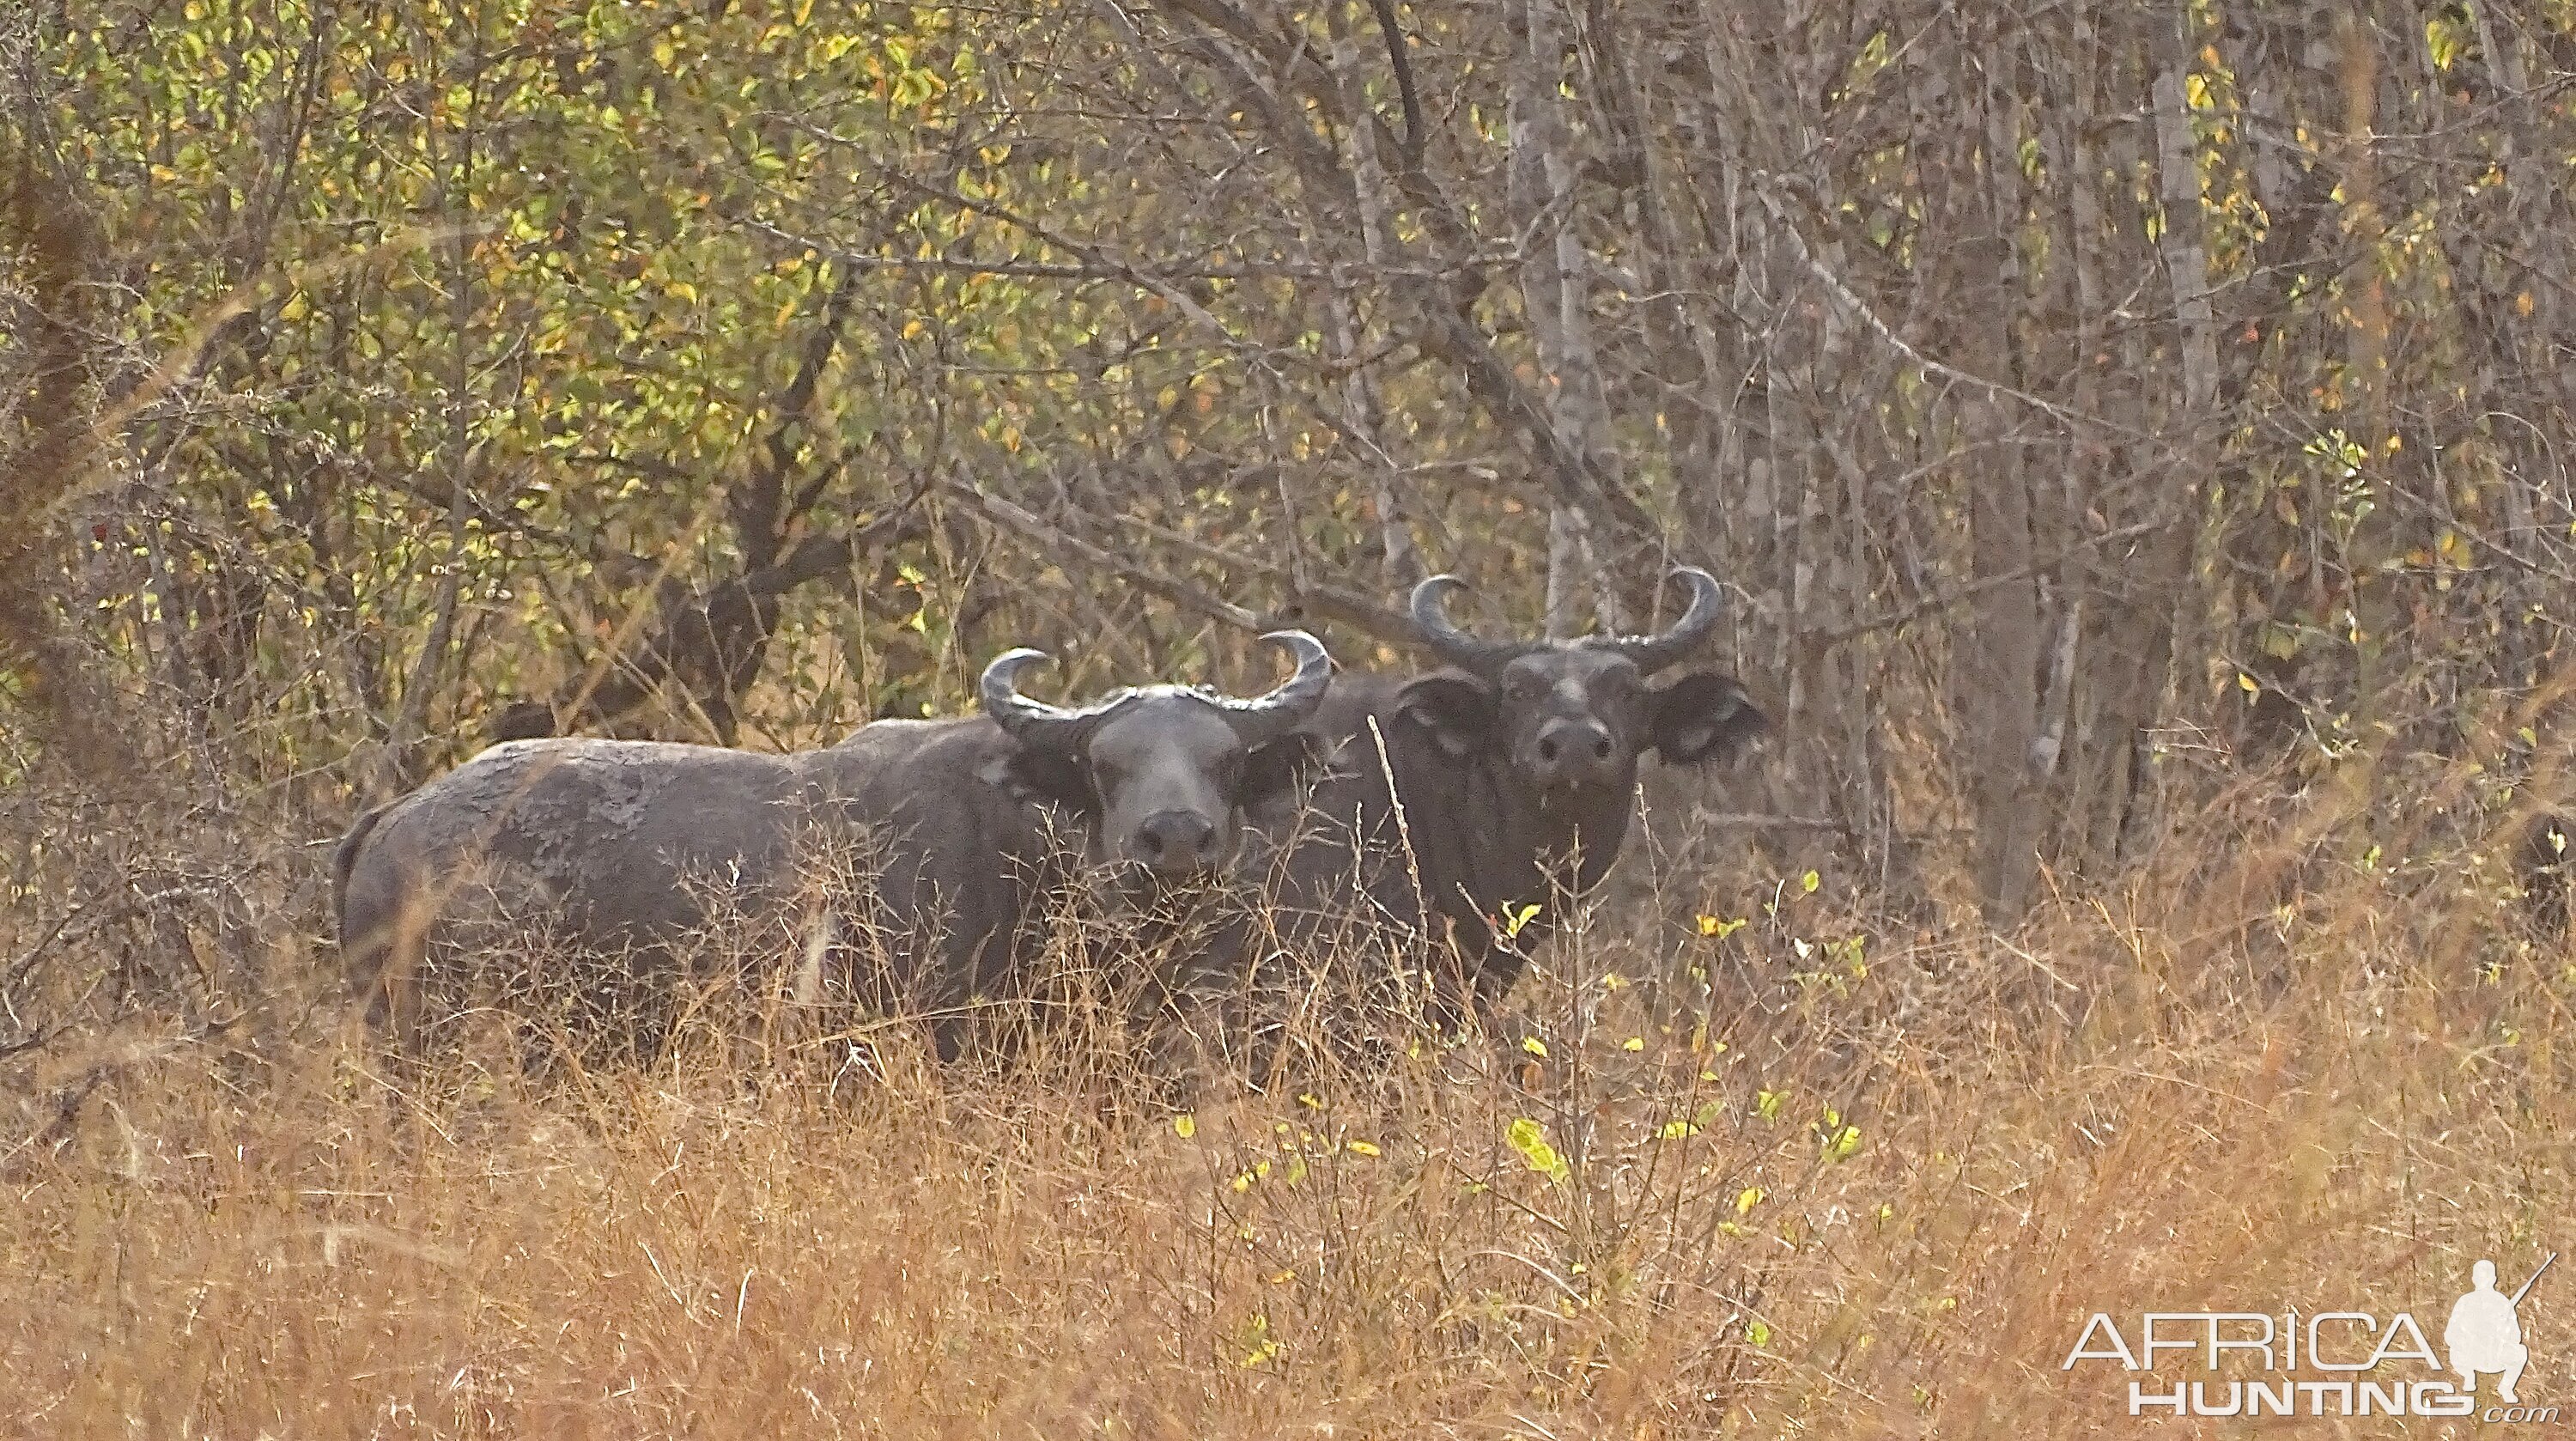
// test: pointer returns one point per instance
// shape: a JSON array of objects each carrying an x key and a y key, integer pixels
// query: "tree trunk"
[{"x": 1555, "y": 278}]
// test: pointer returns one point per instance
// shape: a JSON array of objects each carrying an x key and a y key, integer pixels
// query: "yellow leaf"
[
  {"x": 1747, "y": 1199},
  {"x": 1809, "y": 882},
  {"x": 1185, "y": 1125},
  {"x": 1534, "y": 1045},
  {"x": 2246, "y": 683},
  {"x": 1530, "y": 1139},
  {"x": 1364, "y": 1148},
  {"x": 1633, "y": 1043}
]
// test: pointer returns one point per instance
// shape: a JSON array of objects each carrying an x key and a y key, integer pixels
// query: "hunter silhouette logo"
[
  {"x": 2485, "y": 1334},
  {"x": 2294, "y": 1361}
]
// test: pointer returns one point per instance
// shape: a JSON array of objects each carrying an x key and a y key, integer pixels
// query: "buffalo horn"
[
  {"x": 1654, "y": 652},
  {"x": 1268, "y": 717},
  {"x": 1430, "y": 609},
  {"x": 1032, "y": 722}
]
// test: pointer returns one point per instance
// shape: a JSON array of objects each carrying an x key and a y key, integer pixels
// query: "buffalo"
[
  {"x": 1468, "y": 799},
  {"x": 617, "y": 846}
]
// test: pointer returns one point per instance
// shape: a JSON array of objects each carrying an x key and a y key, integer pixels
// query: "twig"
[
  {"x": 91, "y": 917},
  {"x": 1019, "y": 522},
  {"x": 1331, "y": 602},
  {"x": 1121, "y": 272},
  {"x": 1945, "y": 599},
  {"x": 1765, "y": 187},
  {"x": 1755, "y": 820}
]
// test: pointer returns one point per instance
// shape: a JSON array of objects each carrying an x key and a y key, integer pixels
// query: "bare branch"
[
  {"x": 1402, "y": 65},
  {"x": 1028, "y": 527}
]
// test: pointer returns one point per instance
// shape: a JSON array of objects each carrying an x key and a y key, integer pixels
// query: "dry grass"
[{"x": 2263, "y": 1075}]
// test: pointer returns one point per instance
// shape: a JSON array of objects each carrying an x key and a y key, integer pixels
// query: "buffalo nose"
[
  {"x": 1572, "y": 750},
  {"x": 1176, "y": 841}
]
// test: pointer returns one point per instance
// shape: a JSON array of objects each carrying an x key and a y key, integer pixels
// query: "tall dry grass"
[{"x": 1767, "y": 1182}]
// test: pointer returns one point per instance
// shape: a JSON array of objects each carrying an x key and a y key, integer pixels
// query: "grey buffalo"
[
  {"x": 617, "y": 845},
  {"x": 1460, "y": 799}
]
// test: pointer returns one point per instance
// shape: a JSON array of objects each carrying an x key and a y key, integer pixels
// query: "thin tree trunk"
[
  {"x": 2533, "y": 217},
  {"x": 396, "y": 771},
  {"x": 1555, "y": 275},
  {"x": 2161, "y": 574},
  {"x": 1400, "y": 561},
  {"x": 2003, "y": 675}
]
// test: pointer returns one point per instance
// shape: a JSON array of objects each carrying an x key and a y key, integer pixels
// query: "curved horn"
[
  {"x": 1430, "y": 609},
  {"x": 1654, "y": 652},
  {"x": 1268, "y": 717},
  {"x": 1028, "y": 721}
]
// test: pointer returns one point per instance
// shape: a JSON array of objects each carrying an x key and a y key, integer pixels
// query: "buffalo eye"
[{"x": 1522, "y": 685}]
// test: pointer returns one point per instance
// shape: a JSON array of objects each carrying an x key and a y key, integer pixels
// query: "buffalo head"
[
  {"x": 1165, "y": 772},
  {"x": 1571, "y": 718}
]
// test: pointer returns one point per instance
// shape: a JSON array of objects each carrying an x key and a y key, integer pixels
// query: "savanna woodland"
[{"x": 2133, "y": 440}]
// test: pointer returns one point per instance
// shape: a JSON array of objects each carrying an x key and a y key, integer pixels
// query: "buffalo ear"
[
  {"x": 1455, "y": 707},
  {"x": 1040, "y": 777},
  {"x": 1703, "y": 716},
  {"x": 1280, "y": 767}
]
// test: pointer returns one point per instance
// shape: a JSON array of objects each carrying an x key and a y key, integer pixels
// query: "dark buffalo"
[
  {"x": 618, "y": 846},
  {"x": 1500, "y": 781}
]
